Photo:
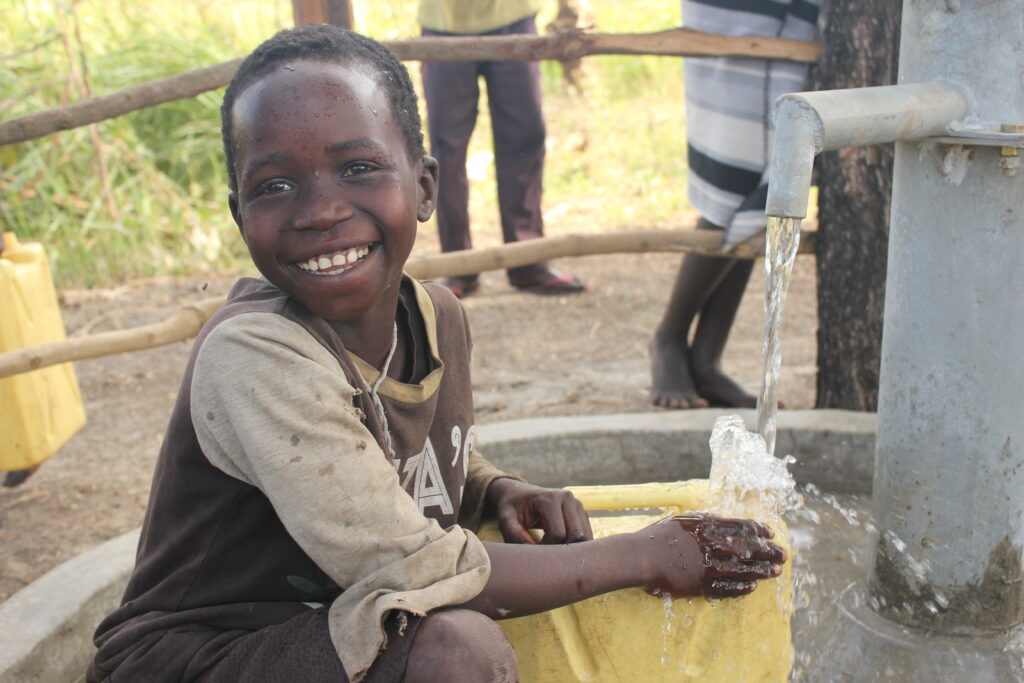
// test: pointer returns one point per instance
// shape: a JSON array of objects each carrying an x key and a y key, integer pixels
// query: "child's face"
[{"x": 328, "y": 198}]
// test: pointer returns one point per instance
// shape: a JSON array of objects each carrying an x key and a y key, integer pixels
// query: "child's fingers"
[
  {"x": 742, "y": 528},
  {"x": 734, "y": 568},
  {"x": 512, "y": 529},
  {"x": 728, "y": 588},
  {"x": 749, "y": 549},
  {"x": 577, "y": 524},
  {"x": 763, "y": 530},
  {"x": 772, "y": 553},
  {"x": 552, "y": 521},
  {"x": 707, "y": 524}
]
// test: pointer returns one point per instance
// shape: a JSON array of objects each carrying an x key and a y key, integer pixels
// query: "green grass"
[{"x": 616, "y": 154}]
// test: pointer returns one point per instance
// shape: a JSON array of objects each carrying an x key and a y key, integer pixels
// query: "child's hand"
[
  {"x": 702, "y": 554},
  {"x": 519, "y": 506}
]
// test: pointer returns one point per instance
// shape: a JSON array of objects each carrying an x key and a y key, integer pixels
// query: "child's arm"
[
  {"x": 690, "y": 555},
  {"x": 682, "y": 556}
]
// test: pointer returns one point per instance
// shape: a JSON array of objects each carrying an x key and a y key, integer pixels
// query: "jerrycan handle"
[
  {"x": 9, "y": 244},
  {"x": 684, "y": 495}
]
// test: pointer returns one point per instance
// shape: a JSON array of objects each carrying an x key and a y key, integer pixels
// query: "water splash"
[
  {"x": 746, "y": 480},
  {"x": 780, "y": 252}
]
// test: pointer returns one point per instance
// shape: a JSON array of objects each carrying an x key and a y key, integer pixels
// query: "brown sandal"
[
  {"x": 555, "y": 283},
  {"x": 462, "y": 285}
]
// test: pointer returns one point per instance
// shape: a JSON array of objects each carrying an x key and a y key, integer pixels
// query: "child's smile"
[
  {"x": 328, "y": 198},
  {"x": 332, "y": 264}
]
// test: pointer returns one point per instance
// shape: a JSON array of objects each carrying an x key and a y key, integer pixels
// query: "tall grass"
[{"x": 144, "y": 194}]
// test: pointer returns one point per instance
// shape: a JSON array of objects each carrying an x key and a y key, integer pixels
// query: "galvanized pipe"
[
  {"x": 949, "y": 473},
  {"x": 811, "y": 122}
]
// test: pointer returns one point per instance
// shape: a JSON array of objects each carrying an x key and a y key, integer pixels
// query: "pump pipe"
[{"x": 812, "y": 122}]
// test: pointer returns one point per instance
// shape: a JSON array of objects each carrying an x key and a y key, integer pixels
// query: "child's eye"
[
  {"x": 358, "y": 168},
  {"x": 272, "y": 187}
]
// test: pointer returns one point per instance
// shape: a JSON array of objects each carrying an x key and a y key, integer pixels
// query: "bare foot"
[
  {"x": 720, "y": 390},
  {"x": 672, "y": 385}
]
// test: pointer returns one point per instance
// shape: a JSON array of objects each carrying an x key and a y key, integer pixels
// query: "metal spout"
[{"x": 811, "y": 122}]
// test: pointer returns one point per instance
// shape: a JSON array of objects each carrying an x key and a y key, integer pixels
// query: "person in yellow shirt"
[{"x": 452, "y": 91}]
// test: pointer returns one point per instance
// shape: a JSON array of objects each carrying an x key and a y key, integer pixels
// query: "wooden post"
[
  {"x": 568, "y": 19},
  {"x": 335, "y": 12}
]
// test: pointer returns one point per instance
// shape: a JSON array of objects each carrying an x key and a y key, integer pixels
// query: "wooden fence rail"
[
  {"x": 186, "y": 322},
  {"x": 564, "y": 45}
]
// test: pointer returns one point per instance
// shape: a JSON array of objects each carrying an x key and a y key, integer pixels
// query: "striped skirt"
[{"x": 729, "y": 107}]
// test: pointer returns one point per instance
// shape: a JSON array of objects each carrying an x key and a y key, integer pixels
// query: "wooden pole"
[
  {"x": 568, "y": 19},
  {"x": 186, "y": 322},
  {"x": 563, "y": 46},
  {"x": 339, "y": 13},
  {"x": 707, "y": 242},
  {"x": 575, "y": 44},
  {"x": 335, "y": 12},
  {"x": 92, "y": 110}
]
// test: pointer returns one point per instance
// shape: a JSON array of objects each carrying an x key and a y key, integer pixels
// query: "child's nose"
[{"x": 322, "y": 211}]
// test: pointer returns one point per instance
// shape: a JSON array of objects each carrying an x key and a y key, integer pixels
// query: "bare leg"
[
  {"x": 460, "y": 646},
  {"x": 709, "y": 340},
  {"x": 689, "y": 377},
  {"x": 672, "y": 384}
]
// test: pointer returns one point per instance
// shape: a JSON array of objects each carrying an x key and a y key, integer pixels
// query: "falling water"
[{"x": 780, "y": 252}]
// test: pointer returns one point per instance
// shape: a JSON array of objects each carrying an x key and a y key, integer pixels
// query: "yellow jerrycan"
[
  {"x": 628, "y": 635},
  {"x": 41, "y": 409}
]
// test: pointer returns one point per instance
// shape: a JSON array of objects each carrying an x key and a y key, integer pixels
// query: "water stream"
[
  {"x": 746, "y": 480},
  {"x": 783, "y": 238}
]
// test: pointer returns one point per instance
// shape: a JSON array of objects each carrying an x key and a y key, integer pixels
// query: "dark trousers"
[
  {"x": 297, "y": 649},
  {"x": 517, "y": 125}
]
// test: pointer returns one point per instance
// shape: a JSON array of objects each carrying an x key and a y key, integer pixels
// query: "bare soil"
[{"x": 535, "y": 357}]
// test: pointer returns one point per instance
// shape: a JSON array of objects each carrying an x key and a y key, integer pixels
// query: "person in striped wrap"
[{"x": 728, "y": 111}]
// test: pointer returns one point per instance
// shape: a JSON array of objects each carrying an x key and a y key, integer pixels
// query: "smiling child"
[{"x": 313, "y": 506}]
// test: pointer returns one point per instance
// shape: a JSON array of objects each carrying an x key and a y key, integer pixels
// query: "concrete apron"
[{"x": 46, "y": 628}]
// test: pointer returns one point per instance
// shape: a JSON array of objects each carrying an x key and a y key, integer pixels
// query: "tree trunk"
[{"x": 855, "y": 188}]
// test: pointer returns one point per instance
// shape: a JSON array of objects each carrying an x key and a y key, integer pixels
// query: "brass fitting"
[{"x": 1009, "y": 157}]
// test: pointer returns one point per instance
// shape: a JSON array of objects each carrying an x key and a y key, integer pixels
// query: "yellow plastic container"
[
  {"x": 629, "y": 635},
  {"x": 42, "y": 409}
]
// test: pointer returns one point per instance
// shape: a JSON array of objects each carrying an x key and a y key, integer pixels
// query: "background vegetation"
[{"x": 144, "y": 194}]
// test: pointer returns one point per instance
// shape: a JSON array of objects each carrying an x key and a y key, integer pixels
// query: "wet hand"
[
  {"x": 714, "y": 556},
  {"x": 519, "y": 506}
]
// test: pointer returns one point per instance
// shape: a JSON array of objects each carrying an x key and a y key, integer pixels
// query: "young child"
[{"x": 312, "y": 508}]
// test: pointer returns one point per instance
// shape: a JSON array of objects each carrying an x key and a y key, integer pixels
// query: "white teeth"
[{"x": 328, "y": 262}]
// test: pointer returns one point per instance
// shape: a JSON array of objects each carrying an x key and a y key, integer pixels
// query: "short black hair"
[{"x": 324, "y": 43}]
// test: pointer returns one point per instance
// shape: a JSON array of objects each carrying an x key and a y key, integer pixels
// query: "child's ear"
[
  {"x": 233, "y": 205},
  {"x": 427, "y": 190}
]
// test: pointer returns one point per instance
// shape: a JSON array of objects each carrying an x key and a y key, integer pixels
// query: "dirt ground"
[{"x": 535, "y": 357}]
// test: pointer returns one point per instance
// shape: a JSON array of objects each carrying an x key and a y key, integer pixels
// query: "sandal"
[
  {"x": 554, "y": 283},
  {"x": 462, "y": 285}
]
